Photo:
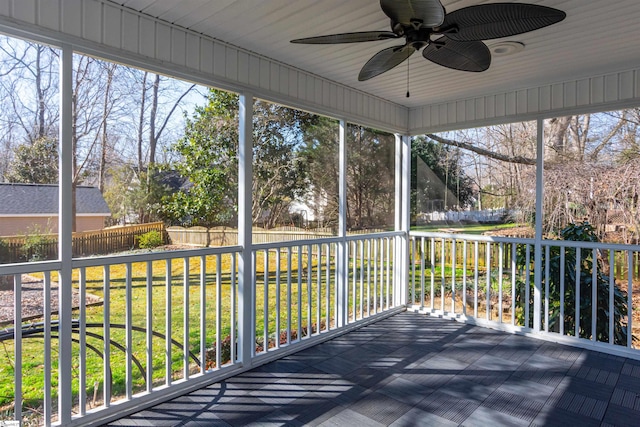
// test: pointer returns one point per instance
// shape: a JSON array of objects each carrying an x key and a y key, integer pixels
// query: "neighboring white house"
[{"x": 25, "y": 207}]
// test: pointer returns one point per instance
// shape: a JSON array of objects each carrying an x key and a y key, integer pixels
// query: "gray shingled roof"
[{"x": 25, "y": 199}]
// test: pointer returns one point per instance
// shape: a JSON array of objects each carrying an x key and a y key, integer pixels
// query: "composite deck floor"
[{"x": 413, "y": 370}]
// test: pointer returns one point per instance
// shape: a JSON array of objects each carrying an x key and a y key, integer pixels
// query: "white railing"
[
  {"x": 301, "y": 293},
  {"x": 165, "y": 322},
  {"x": 498, "y": 282}
]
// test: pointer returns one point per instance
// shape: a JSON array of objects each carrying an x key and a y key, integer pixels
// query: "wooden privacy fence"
[
  {"x": 224, "y": 236},
  {"x": 106, "y": 241}
]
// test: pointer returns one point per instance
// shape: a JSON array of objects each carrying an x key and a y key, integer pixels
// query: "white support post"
[
  {"x": 537, "y": 268},
  {"x": 342, "y": 267},
  {"x": 398, "y": 261},
  {"x": 246, "y": 329},
  {"x": 65, "y": 235},
  {"x": 405, "y": 223}
]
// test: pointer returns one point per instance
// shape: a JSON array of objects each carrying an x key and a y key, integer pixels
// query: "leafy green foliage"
[
  {"x": 370, "y": 172},
  {"x": 209, "y": 160},
  {"x": 136, "y": 196},
  {"x": 35, "y": 163},
  {"x": 36, "y": 245},
  {"x": 151, "y": 239},
  {"x": 583, "y": 232}
]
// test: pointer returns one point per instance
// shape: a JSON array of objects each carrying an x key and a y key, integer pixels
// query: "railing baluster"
[
  {"x": 328, "y": 287},
  {"x": 476, "y": 277},
  {"x": 413, "y": 268},
  {"x": 612, "y": 282},
  {"x": 254, "y": 305},
  {"x": 375, "y": 276},
  {"x": 368, "y": 277},
  {"x": 464, "y": 278},
  {"x": 17, "y": 347},
  {"x": 562, "y": 285},
  {"x": 265, "y": 294},
  {"x": 289, "y": 295},
  {"x": 352, "y": 255},
  {"x": 128, "y": 331},
  {"x": 319, "y": 289},
  {"x": 488, "y": 290},
  {"x": 277, "y": 314},
  {"x": 513, "y": 282},
  {"x": 388, "y": 259},
  {"x": 547, "y": 255},
  {"x": 82, "y": 342},
  {"x": 442, "y": 274},
  {"x": 422, "y": 273},
  {"x": 203, "y": 314},
  {"x": 299, "y": 293},
  {"x": 594, "y": 295},
  {"x": 454, "y": 263},
  {"x": 527, "y": 287},
  {"x": 577, "y": 294},
  {"x": 106, "y": 350},
  {"x": 167, "y": 343},
  {"x": 433, "y": 273},
  {"x": 361, "y": 277},
  {"x": 629, "y": 300},
  {"x": 309, "y": 282},
  {"x": 219, "y": 338},
  {"x": 233, "y": 306},
  {"x": 500, "y": 271},
  {"x": 382, "y": 276}
]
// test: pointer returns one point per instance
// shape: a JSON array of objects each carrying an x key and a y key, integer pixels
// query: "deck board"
[{"x": 410, "y": 370}]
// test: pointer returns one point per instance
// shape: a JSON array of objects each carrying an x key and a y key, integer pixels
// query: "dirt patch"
[{"x": 33, "y": 299}]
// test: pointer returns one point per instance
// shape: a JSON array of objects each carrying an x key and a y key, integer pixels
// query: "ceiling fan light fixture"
[
  {"x": 506, "y": 48},
  {"x": 453, "y": 40}
]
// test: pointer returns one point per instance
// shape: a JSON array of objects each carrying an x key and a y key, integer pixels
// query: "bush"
[
  {"x": 36, "y": 245},
  {"x": 583, "y": 233},
  {"x": 150, "y": 240}
]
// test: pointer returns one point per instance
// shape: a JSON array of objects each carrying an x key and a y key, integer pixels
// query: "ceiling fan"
[{"x": 453, "y": 40}]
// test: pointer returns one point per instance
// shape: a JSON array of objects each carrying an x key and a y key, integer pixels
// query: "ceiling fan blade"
[
  {"x": 464, "y": 56},
  {"x": 492, "y": 21},
  {"x": 363, "y": 36},
  {"x": 430, "y": 12},
  {"x": 385, "y": 60}
]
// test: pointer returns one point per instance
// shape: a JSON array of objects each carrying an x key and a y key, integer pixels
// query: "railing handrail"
[
  {"x": 380, "y": 235},
  {"x": 545, "y": 242},
  {"x": 473, "y": 237}
]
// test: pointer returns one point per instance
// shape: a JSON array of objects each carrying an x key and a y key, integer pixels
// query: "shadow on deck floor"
[{"x": 413, "y": 370}]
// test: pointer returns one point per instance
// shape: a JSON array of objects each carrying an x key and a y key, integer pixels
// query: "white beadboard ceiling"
[{"x": 598, "y": 37}]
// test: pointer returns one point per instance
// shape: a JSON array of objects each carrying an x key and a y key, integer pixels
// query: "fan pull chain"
[{"x": 407, "y": 77}]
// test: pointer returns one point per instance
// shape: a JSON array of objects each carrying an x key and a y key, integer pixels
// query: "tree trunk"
[
  {"x": 105, "y": 113},
  {"x": 152, "y": 121},
  {"x": 143, "y": 99},
  {"x": 40, "y": 94}
]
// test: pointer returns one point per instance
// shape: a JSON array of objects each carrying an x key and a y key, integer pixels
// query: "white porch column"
[
  {"x": 342, "y": 268},
  {"x": 65, "y": 235},
  {"x": 400, "y": 265},
  {"x": 246, "y": 329},
  {"x": 537, "y": 268},
  {"x": 405, "y": 220}
]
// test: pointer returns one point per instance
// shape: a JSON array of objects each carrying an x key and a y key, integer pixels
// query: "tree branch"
[{"x": 484, "y": 152}]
